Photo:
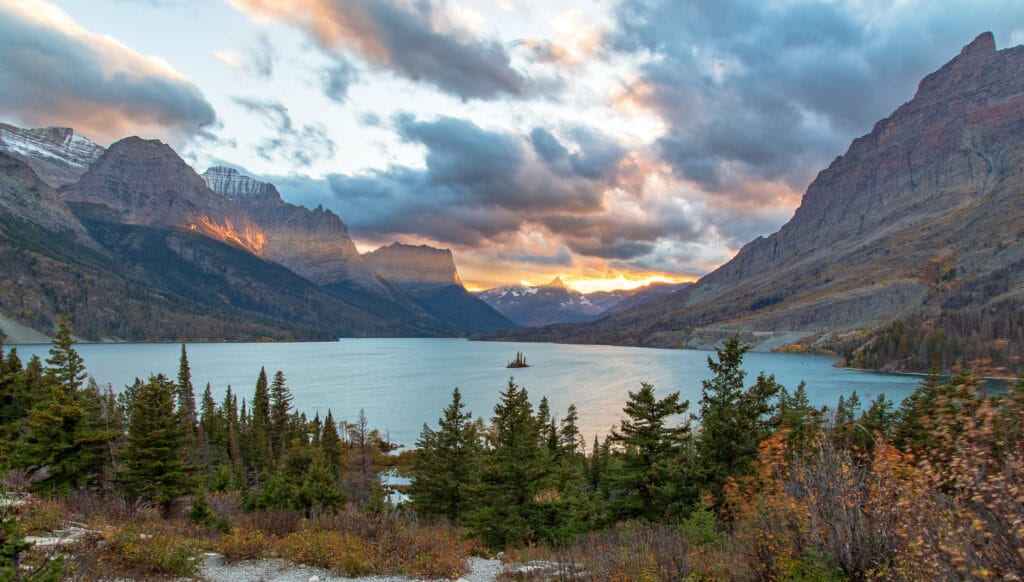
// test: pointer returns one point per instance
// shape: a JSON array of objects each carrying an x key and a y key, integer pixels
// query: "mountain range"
[
  {"x": 130, "y": 243},
  {"x": 555, "y": 302},
  {"x": 906, "y": 252}
]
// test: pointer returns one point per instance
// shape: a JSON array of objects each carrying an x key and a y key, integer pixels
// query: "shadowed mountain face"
[
  {"x": 915, "y": 214},
  {"x": 58, "y": 155},
  {"x": 430, "y": 275}
]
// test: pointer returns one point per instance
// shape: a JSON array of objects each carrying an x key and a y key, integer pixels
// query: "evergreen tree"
[
  {"x": 65, "y": 368},
  {"x": 447, "y": 468},
  {"x": 802, "y": 421},
  {"x": 330, "y": 443},
  {"x": 155, "y": 455},
  {"x": 733, "y": 420},
  {"x": 643, "y": 486},
  {"x": 280, "y": 414},
  {"x": 185, "y": 392},
  {"x": 64, "y": 432},
  {"x": 360, "y": 474},
  {"x": 513, "y": 474},
  {"x": 259, "y": 426}
]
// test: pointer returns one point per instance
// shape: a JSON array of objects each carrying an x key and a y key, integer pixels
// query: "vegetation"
[
  {"x": 761, "y": 485},
  {"x": 519, "y": 362}
]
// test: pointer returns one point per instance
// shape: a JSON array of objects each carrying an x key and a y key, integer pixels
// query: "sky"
[{"x": 609, "y": 142}]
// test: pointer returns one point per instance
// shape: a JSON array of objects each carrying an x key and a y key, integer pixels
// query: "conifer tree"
[
  {"x": 802, "y": 421},
  {"x": 514, "y": 472},
  {"x": 330, "y": 443},
  {"x": 447, "y": 469},
  {"x": 280, "y": 414},
  {"x": 733, "y": 420},
  {"x": 64, "y": 368},
  {"x": 155, "y": 455},
  {"x": 186, "y": 395},
  {"x": 63, "y": 432},
  {"x": 651, "y": 449},
  {"x": 259, "y": 425}
]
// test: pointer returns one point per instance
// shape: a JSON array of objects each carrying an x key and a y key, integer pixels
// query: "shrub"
[
  {"x": 151, "y": 551},
  {"x": 338, "y": 552},
  {"x": 241, "y": 544},
  {"x": 41, "y": 516}
]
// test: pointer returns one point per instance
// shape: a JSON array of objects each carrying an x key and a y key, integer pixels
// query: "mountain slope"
[
  {"x": 312, "y": 243},
  {"x": 430, "y": 276},
  {"x": 58, "y": 155},
  {"x": 924, "y": 208}
]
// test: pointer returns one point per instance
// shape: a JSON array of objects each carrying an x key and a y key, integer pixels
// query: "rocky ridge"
[
  {"x": 144, "y": 182},
  {"x": 417, "y": 269},
  {"x": 313, "y": 243},
  {"x": 58, "y": 155}
]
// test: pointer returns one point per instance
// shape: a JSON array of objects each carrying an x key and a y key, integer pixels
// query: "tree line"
[{"x": 753, "y": 461}]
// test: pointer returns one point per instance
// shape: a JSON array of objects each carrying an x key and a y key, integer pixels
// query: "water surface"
[{"x": 402, "y": 383}]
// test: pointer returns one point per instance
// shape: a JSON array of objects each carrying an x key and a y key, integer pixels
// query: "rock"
[
  {"x": 312, "y": 243},
  {"x": 59, "y": 155},
  {"x": 144, "y": 182}
]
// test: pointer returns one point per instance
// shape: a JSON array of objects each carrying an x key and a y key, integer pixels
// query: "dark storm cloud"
[
  {"x": 416, "y": 40},
  {"x": 53, "y": 72},
  {"x": 299, "y": 145},
  {"x": 773, "y": 90},
  {"x": 481, "y": 186}
]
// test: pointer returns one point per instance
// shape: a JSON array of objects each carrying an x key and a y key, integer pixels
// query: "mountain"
[
  {"x": 920, "y": 218},
  {"x": 556, "y": 303},
  {"x": 141, "y": 249},
  {"x": 58, "y": 155},
  {"x": 312, "y": 243},
  {"x": 431, "y": 277},
  {"x": 145, "y": 182},
  {"x": 544, "y": 304}
]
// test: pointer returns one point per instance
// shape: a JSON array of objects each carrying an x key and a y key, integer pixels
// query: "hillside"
[{"x": 920, "y": 218}]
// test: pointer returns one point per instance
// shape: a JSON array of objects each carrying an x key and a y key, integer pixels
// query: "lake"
[{"x": 402, "y": 383}]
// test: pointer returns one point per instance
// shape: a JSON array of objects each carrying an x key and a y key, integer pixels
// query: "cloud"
[
  {"x": 302, "y": 146},
  {"x": 54, "y": 72},
  {"x": 337, "y": 78},
  {"x": 773, "y": 90},
  {"x": 420, "y": 41}
]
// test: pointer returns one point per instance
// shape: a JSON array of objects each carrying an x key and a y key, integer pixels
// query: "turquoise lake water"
[{"x": 402, "y": 383}]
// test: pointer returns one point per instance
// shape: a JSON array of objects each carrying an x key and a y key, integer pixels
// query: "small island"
[{"x": 519, "y": 362}]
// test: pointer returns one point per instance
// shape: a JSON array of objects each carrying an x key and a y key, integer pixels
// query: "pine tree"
[
  {"x": 280, "y": 414},
  {"x": 514, "y": 472},
  {"x": 185, "y": 392},
  {"x": 155, "y": 455},
  {"x": 447, "y": 468},
  {"x": 259, "y": 427},
  {"x": 64, "y": 432},
  {"x": 330, "y": 443},
  {"x": 65, "y": 368},
  {"x": 733, "y": 420},
  {"x": 802, "y": 421},
  {"x": 651, "y": 448}
]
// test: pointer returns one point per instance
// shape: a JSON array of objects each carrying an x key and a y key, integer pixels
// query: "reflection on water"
[{"x": 402, "y": 383}]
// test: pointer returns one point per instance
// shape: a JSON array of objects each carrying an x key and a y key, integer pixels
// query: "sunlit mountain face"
[{"x": 612, "y": 143}]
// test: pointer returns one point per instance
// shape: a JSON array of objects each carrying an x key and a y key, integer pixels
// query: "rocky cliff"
[
  {"x": 916, "y": 212},
  {"x": 58, "y": 155},
  {"x": 415, "y": 269},
  {"x": 144, "y": 182},
  {"x": 429, "y": 275},
  {"x": 313, "y": 243}
]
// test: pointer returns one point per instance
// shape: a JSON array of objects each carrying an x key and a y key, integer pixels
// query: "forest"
[{"x": 750, "y": 483}]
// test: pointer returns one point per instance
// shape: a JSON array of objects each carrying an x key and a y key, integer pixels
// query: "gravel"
[{"x": 215, "y": 570}]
